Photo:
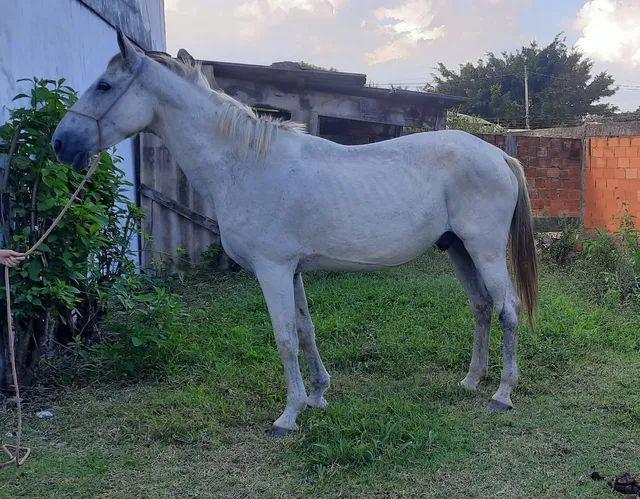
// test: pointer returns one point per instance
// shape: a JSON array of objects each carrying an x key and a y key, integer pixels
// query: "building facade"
[{"x": 335, "y": 105}]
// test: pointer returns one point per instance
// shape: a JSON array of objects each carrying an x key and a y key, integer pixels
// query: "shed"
[{"x": 335, "y": 105}]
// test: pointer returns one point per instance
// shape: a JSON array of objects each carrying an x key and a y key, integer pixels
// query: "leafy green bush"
[
  {"x": 60, "y": 291},
  {"x": 608, "y": 263},
  {"x": 471, "y": 124},
  {"x": 562, "y": 248},
  {"x": 142, "y": 314},
  {"x": 615, "y": 260}
]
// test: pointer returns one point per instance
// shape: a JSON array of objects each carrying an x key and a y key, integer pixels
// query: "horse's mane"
[{"x": 237, "y": 121}]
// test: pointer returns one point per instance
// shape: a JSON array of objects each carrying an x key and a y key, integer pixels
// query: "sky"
[{"x": 401, "y": 41}]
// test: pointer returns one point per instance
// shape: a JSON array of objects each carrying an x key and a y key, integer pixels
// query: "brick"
[
  {"x": 620, "y": 173},
  {"x": 631, "y": 173},
  {"x": 597, "y": 142},
  {"x": 572, "y": 195},
  {"x": 573, "y": 207},
  {"x": 556, "y": 146},
  {"x": 608, "y": 152},
  {"x": 634, "y": 162},
  {"x": 597, "y": 152},
  {"x": 598, "y": 162},
  {"x": 620, "y": 152},
  {"x": 553, "y": 172},
  {"x": 613, "y": 141},
  {"x": 555, "y": 162},
  {"x": 612, "y": 162},
  {"x": 566, "y": 173},
  {"x": 633, "y": 151},
  {"x": 538, "y": 204},
  {"x": 623, "y": 162},
  {"x": 625, "y": 141},
  {"x": 635, "y": 141},
  {"x": 574, "y": 183}
]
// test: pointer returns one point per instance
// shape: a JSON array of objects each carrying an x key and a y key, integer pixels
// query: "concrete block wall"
[{"x": 612, "y": 180}]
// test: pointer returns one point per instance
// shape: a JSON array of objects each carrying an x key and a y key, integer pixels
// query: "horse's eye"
[{"x": 103, "y": 86}]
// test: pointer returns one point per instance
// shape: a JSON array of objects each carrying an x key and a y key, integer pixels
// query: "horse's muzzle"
[{"x": 70, "y": 151}]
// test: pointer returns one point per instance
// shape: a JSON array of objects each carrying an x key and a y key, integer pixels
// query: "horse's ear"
[
  {"x": 128, "y": 50},
  {"x": 185, "y": 56}
]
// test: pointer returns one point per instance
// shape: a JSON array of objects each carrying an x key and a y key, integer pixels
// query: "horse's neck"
[{"x": 188, "y": 128}]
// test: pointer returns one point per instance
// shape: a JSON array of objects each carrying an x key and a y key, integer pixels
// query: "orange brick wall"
[{"x": 612, "y": 180}]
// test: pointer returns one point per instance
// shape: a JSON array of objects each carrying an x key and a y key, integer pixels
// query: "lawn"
[{"x": 188, "y": 416}]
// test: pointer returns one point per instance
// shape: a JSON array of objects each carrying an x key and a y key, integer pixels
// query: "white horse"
[{"x": 287, "y": 202}]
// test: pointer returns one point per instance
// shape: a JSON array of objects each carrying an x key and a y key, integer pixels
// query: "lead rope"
[{"x": 14, "y": 451}]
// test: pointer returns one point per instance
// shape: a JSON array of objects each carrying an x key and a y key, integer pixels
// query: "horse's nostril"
[{"x": 57, "y": 145}]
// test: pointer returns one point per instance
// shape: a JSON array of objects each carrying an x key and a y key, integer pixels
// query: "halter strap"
[{"x": 99, "y": 118}]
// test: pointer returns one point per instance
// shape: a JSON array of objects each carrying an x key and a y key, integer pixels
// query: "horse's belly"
[{"x": 372, "y": 247}]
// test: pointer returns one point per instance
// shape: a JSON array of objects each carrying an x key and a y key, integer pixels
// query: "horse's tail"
[{"x": 522, "y": 245}]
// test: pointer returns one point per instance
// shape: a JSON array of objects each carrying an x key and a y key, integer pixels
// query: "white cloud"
[
  {"x": 259, "y": 15},
  {"x": 259, "y": 8},
  {"x": 610, "y": 30},
  {"x": 404, "y": 28}
]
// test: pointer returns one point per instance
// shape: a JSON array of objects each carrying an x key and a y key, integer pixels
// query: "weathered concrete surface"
[
  {"x": 315, "y": 97},
  {"x": 618, "y": 129}
]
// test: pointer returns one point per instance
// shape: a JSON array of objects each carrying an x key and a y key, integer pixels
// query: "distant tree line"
[{"x": 562, "y": 90}]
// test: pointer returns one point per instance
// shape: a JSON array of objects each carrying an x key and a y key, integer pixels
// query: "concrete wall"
[
  {"x": 72, "y": 39},
  {"x": 306, "y": 105},
  {"x": 616, "y": 129}
]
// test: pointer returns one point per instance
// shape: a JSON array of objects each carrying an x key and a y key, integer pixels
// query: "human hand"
[{"x": 10, "y": 258}]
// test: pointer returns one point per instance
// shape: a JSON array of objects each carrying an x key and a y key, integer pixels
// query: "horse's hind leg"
[
  {"x": 490, "y": 259},
  {"x": 307, "y": 336},
  {"x": 482, "y": 306}
]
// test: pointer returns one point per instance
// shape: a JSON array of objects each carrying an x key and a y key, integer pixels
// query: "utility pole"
[{"x": 526, "y": 96}]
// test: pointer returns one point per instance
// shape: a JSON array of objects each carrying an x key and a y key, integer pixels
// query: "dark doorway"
[
  {"x": 352, "y": 132},
  {"x": 273, "y": 112}
]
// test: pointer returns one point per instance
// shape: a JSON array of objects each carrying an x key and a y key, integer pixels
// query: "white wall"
[{"x": 64, "y": 38}]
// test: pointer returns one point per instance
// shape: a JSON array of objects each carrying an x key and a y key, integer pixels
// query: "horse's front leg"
[{"x": 276, "y": 282}]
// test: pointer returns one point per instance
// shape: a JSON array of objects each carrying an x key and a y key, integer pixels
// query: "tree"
[{"x": 561, "y": 88}]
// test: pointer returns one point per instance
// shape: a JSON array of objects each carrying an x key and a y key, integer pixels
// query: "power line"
[{"x": 421, "y": 81}]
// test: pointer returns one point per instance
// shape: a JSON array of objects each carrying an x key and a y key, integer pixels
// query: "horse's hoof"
[
  {"x": 497, "y": 406},
  {"x": 470, "y": 385},
  {"x": 317, "y": 402},
  {"x": 279, "y": 432}
]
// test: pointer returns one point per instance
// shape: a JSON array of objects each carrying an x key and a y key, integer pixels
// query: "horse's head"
[{"x": 115, "y": 107}]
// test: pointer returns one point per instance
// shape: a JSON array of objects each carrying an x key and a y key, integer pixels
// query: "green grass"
[{"x": 191, "y": 420}]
